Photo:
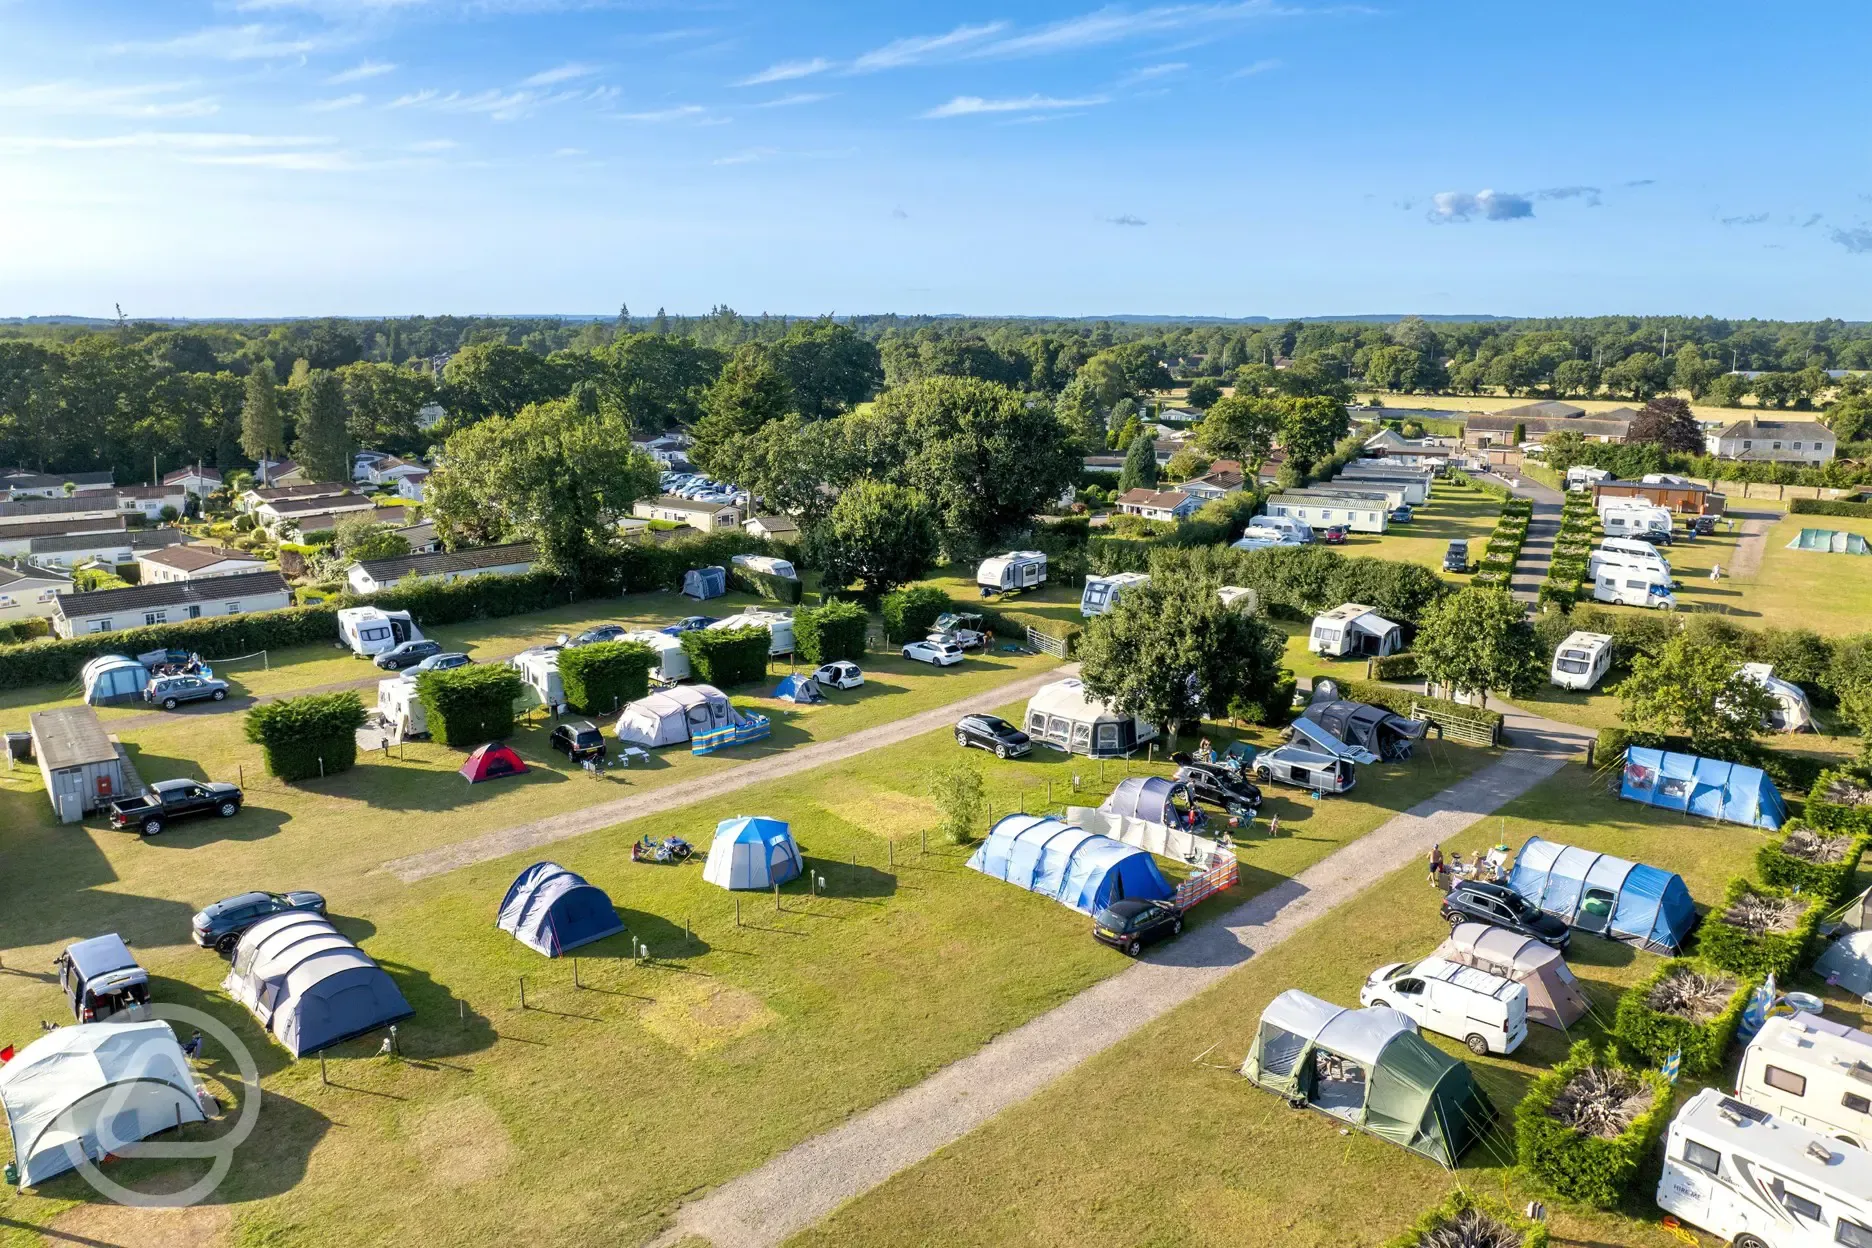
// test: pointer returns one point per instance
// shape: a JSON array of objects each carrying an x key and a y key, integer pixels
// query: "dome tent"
[
  {"x": 1077, "y": 868},
  {"x": 309, "y": 985},
  {"x": 798, "y": 688},
  {"x": 491, "y": 762},
  {"x": 702, "y": 583},
  {"x": 553, "y": 910},
  {"x": 93, "y": 1088},
  {"x": 752, "y": 851},
  {"x": 1599, "y": 893},
  {"x": 1555, "y": 998}
]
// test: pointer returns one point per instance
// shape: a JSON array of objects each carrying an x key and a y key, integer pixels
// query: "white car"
[
  {"x": 840, "y": 675},
  {"x": 939, "y": 653},
  {"x": 1484, "y": 1011}
]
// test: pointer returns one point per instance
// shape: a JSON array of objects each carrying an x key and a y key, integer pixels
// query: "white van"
[
  {"x": 1580, "y": 478},
  {"x": 1634, "y": 587},
  {"x": 401, "y": 710},
  {"x": 1018, "y": 569},
  {"x": 369, "y": 631},
  {"x": 1581, "y": 660},
  {"x": 1103, "y": 592},
  {"x": 1749, "y": 1178},
  {"x": 1637, "y": 548},
  {"x": 1606, "y": 557},
  {"x": 1484, "y": 1011},
  {"x": 1813, "y": 1072}
]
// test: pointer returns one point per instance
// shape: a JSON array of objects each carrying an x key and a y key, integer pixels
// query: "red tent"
[{"x": 491, "y": 762}]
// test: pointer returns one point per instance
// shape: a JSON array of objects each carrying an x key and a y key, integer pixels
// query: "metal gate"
[{"x": 1037, "y": 640}]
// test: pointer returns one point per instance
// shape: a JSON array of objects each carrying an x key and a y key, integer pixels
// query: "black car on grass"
[
  {"x": 1477, "y": 901},
  {"x": 1218, "y": 784},
  {"x": 992, "y": 733},
  {"x": 578, "y": 740},
  {"x": 219, "y": 926},
  {"x": 1129, "y": 925}
]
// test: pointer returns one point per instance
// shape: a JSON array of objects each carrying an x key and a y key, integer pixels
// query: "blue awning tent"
[
  {"x": 1599, "y": 893},
  {"x": 1702, "y": 786},
  {"x": 1150, "y": 798},
  {"x": 705, "y": 582},
  {"x": 798, "y": 687},
  {"x": 552, "y": 910},
  {"x": 114, "y": 678},
  {"x": 1077, "y": 868}
]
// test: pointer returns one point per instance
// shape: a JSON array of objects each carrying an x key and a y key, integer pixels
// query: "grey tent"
[
  {"x": 673, "y": 715},
  {"x": 1383, "y": 734},
  {"x": 309, "y": 985},
  {"x": 700, "y": 583},
  {"x": 1554, "y": 995},
  {"x": 1846, "y": 961},
  {"x": 1152, "y": 799}
]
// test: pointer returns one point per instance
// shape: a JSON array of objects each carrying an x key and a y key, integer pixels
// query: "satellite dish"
[{"x": 1325, "y": 689}]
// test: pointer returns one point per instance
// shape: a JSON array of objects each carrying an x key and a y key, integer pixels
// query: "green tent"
[{"x": 1371, "y": 1069}]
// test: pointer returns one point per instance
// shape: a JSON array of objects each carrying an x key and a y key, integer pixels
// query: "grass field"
[
  {"x": 1436, "y": 404},
  {"x": 1161, "y": 1142},
  {"x": 1812, "y": 589},
  {"x": 1451, "y": 512}
]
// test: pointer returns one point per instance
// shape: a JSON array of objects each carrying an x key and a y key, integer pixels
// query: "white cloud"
[
  {"x": 786, "y": 71},
  {"x": 1259, "y": 67},
  {"x": 798, "y": 97},
  {"x": 230, "y": 43},
  {"x": 1149, "y": 72},
  {"x": 1112, "y": 25},
  {"x": 434, "y": 145},
  {"x": 748, "y": 157},
  {"x": 333, "y": 105},
  {"x": 300, "y": 162},
  {"x": 675, "y": 113},
  {"x": 563, "y": 73},
  {"x": 414, "y": 99},
  {"x": 565, "y": 152},
  {"x": 498, "y": 104},
  {"x": 361, "y": 71},
  {"x": 75, "y": 99},
  {"x": 918, "y": 48},
  {"x": 973, "y": 105}
]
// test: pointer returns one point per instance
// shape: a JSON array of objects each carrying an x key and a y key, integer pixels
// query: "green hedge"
[
  {"x": 1013, "y": 625},
  {"x": 1654, "y": 1035},
  {"x": 1460, "y": 477},
  {"x": 1830, "y": 881},
  {"x": 1393, "y": 666},
  {"x": 600, "y": 678},
  {"x": 1584, "y": 1167},
  {"x": 472, "y": 705},
  {"x": 786, "y": 589},
  {"x": 830, "y": 632},
  {"x": 1442, "y": 712},
  {"x": 724, "y": 657},
  {"x": 1777, "y": 954},
  {"x": 1829, "y": 807},
  {"x": 57, "y": 661},
  {"x": 1459, "y": 1202},
  {"x": 909, "y": 613},
  {"x": 1827, "y": 507},
  {"x": 1107, "y": 554},
  {"x": 306, "y": 737}
]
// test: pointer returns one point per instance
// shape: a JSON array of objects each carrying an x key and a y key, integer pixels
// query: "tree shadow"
[{"x": 69, "y": 917}]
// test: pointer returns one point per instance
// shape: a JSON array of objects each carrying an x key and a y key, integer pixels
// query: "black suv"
[
  {"x": 1131, "y": 924},
  {"x": 578, "y": 740},
  {"x": 1474, "y": 901},
  {"x": 1456, "y": 558},
  {"x": 1218, "y": 785},
  {"x": 991, "y": 732},
  {"x": 219, "y": 926},
  {"x": 408, "y": 654}
]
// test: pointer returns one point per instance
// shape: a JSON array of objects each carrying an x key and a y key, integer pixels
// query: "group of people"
[{"x": 1487, "y": 868}]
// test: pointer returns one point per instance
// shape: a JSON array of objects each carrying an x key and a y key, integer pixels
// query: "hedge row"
[
  {"x": 1441, "y": 711},
  {"x": 1828, "y": 507},
  {"x": 1656, "y": 1035},
  {"x": 1113, "y": 553},
  {"x": 471, "y": 705},
  {"x": 1566, "y": 573},
  {"x": 306, "y": 737},
  {"x": 724, "y": 657},
  {"x": 1462, "y": 478},
  {"x": 1013, "y": 625},
  {"x": 1393, "y": 666},
  {"x": 1777, "y": 953},
  {"x": 1583, "y": 1167},
  {"x": 602, "y": 677},
  {"x": 834, "y": 631},
  {"x": 1829, "y": 881},
  {"x": 909, "y": 613},
  {"x": 1832, "y": 804}
]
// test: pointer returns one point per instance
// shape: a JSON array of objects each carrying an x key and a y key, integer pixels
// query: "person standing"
[{"x": 1436, "y": 866}]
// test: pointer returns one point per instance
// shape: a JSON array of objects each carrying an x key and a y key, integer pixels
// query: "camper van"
[
  {"x": 1581, "y": 660},
  {"x": 768, "y": 564},
  {"x": 1354, "y": 630},
  {"x": 1749, "y": 1178},
  {"x": 1606, "y": 557},
  {"x": 1016, "y": 570},
  {"x": 370, "y": 632},
  {"x": 1813, "y": 1072},
  {"x": 1621, "y": 518},
  {"x": 1103, "y": 592},
  {"x": 1634, "y": 587},
  {"x": 1259, "y": 537},
  {"x": 400, "y": 709},
  {"x": 1634, "y": 546},
  {"x": 1484, "y": 1011},
  {"x": 102, "y": 982},
  {"x": 1580, "y": 478}
]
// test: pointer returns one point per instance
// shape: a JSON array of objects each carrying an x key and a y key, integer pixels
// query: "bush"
[
  {"x": 1275, "y": 711},
  {"x": 786, "y": 589},
  {"x": 1394, "y": 666},
  {"x": 1743, "y": 934},
  {"x": 1827, "y": 507},
  {"x": 959, "y": 793},
  {"x": 471, "y": 705},
  {"x": 1655, "y": 1033},
  {"x": 1108, "y": 554},
  {"x": 602, "y": 677},
  {"x": 835, "y": 630},
  {"x": 724, "y": 657},
  {"x": 1585, "y": 1164},
  {"x": 908, "y": 613},
  {"x": 1441, "y": 711},
  {"x": 1462, "y": 1208},
  {"x": 1840, "y": 801},
  {"x": 1826, "y": 868},
  {"x": 1013, "y": 625},
  {"x": 314, "y": 735}
]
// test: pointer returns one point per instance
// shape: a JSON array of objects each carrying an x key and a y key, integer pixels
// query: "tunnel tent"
[
  {"x": 1708, "y": 787},
  {"x": 1358, "y": 730},
  {"x": 1150, "y": 798},
  {"x": 114, "y": 678},
  {"x": 1079, "y": 869},
  {"x": 799, "y": 687},
  {"x": 671, "y": 716},
  {"x": 1830, "y": 541},
  {"x": 92, "y": 1088},
  {"x": 704, "y": 583},
  {"x": 1371, "y": 1069},
  {"x": 752, "y": 851},
  {"x": 1605, "y": 895},
  {"x": 552, "y": 910},
  {"x": 309, "y": 985},
  {"x": 1555, "y": 998}
]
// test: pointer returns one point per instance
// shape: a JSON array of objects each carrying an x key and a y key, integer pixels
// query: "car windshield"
[{"x": 1111, "y": 920}]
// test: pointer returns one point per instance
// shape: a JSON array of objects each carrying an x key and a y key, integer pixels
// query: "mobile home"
[
  {"x": 1391, "y": 494},
  {"x": 1634, "y": 587},
  {"x": 1416, "y": 489},
  {"x": 1812, "y": 1072},
  {"x": 1103, "y": 592},
  {"x": 1361, "y": 515},
  {"x": 1018, "y": 569},
  {"x": 1353, "y": 629},
  {"x": 1581, "y": 660},
  {"x": 369, "y": 631}
]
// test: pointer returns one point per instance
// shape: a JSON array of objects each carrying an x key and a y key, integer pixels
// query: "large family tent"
[
  {"x": 1555, "y": 998},
  {"x": 672, "y": 661},
  {"x": 672, "y": 716},
  {"x": 705, "y": 582},
  {"x": 1061, "y": 715},
  {"x": 1358, "y": 731},
  {"x": 752, "y": 851},
  {"x": 1044, "y": 854},
  {"x": 309, "y": 985},
  {"x": 491, "y": 762},
  {"x": 1150, "y": 798},
  {"x": 1831, "y": 541},
  {"x": 1702, "y": 786},
  {"x": 1847, "y": 958},
  {"x": 91, "y": 1089},
  {"x": 1791, "y": 711},
  {"x": 798, "y": 687},
  {"x": 113, "y": 678},
  {"x": 1371, "y": 1069},
  {"x": 1605, "y": 895},
  {"x": 553, "y": 910}
]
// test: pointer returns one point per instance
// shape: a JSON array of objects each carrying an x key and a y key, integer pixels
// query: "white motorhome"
[
  {"x": 1354, "y": 629},
  {"x": 540, "y": 670},
  {"x": 1484, "y": 1011},
  {"x": 779, "y": 627},
  {"x": 1296, "y": 531},
  {"x": 1606, "y": 557},
  {"x": 401, "y": 710},
  {"x": 369, "y": 631},
  {"x": 672, "y": 662},
  {"x": 1638, "y": 547},
  {"x": 1581, "y": 660},
  {"x": 1812, "y": 1072},
  {"x": 1018, "y": 569},
  {"x": 1634, "y": 587},
  {"x": 1103, "y": 592},
  {"x": 1624, "y": 519},
  {"x": 1580, "y": 478},
  {"x": 1750, "y": 1178}
]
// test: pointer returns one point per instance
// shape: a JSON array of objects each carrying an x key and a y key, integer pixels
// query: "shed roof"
[
  {"x": 104, "y": 539},
  {"x": 70, "y": 736}
]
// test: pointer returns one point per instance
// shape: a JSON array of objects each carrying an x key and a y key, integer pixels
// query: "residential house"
[
  {"x": 707, "y": 517},
  {"x": 394, "y": 516},
  {"x": 666, "y": 448},
  {"x": 514, "y": 559},
  {"x": 17, "y": 539},
  {"x": 773, "y": 528},
  {"x": 95, "y": 506},
  {"x": 1778, "y": 441},
  {"x": 1184, "y": 415},
  {"x": 148, "y": 501},
  {"x": 271, "y": 472},
  {"x": 108, "y": 610},
  {"x": 280, "y": 512},
  {"x": 156, "y": 538},
  {"x": 21, "y": 483},
  {"x": 413, "y": 485},
  {"x": 1532, "y": 422},
  {"x": 421, "y": 537},
  {"x": 363, "y": 461},
  {"x": 1113, "y": 464},
  {"x": 1157, "y": 504},
  {"x": 28, "y": 592},
  {"x": 389, "y": 470},
  {"x": 1224, "y": 477},
  {"x": 429, "y": 415},
  {"x": 196, "y": 480},
  {"x": 76, "y": 550},
  {"x": 262, "y": 495},
  {"x": 195, "y": 563}
]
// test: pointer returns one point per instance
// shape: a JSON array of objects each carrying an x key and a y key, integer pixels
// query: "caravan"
[
  {"x": 1639, "y": 549},
  {"x": 1581, "y": 660},
  {"x": 369, "y": 631},
  {"x": 401, "y": 709},
  {"x": 672, "y": 661},
  {"x": 1103, "y": 592},
  {"x": 1353, "y": 629},
  {"x": 1018, "y": 569},
  {"x": 1581, "y": 478},
  {"x": 778, "y": 624},
  {"x": 1634, "y": 587},
  {"x": 1621, "y": 517},
  {"x": 1291, "y": 530},
  {"x": 539, "y": 669},
  {"x": 1813, "y": 1072}
]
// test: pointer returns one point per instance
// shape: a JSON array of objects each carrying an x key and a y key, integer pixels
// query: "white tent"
[
  {"x": 113, "y": 678},
  {"x": 751, "y": 851},
  {"x": 672, "y": 716},
  {"x": 672, "y": 660},
  {"x": 1847, "y": 962},
  {"x": 91, "y": 1089},
  {"x": 1791, "y": 712}
]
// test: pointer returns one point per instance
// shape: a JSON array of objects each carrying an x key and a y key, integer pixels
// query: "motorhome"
[
  {"x": 1484, "y": 1011},
  {"x": 1103, "y": 592},
  {"x": 1016, "y": 570},
  {"x": 1580, "y": 478},
  {"x": 1581, "y": 660},
  {"x": 1604, "y": 557},
  {"x": 1629, "y": 520},
  {"x": 1353, "y": 629},
  {"x": 1750, "y": 1178},
  {"x": 401, "y": 709},
  {"x": 1634, "y": 587},
  {"x": 1814, "y": 1072},
  {"x": 1635, "y": 546},
  {"x": 369, "y": 631}
]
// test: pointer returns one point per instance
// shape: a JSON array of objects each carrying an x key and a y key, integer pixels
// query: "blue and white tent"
[
  {"x": 114, "y": 678},
  {"x": 752, "y": 851},
  {"x": 1151, "y": 798},
  {"x": 798, "y": 687},
  {"x": 705, "y": 582},
  {"x": 1702, "y": 786},
  {"x": 1077, "y": 868},
  {"x": 553, "y": 910},
  {"x": 1608, "y": 896}
]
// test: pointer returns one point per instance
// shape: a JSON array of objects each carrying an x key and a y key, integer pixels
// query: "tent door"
[
  {"x": 1082, "y": 738},
  {"x": 1595, "y": 911}
]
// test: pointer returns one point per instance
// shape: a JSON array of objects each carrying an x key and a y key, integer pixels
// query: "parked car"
[
  {"x": 219, "y": 926},
  {"x": 1477, "y": 901},
  {"x": 1304, "y": 769},
  {"x": 101, "y": 981},
  {"x": 840, "y": 675},
  {"x": 1484, "y": 1011},
  {"x": 1702, "y": 526},
  {"x": 170, "y": 800},
  {"x": 992, "y": 733},
  {"x": 965, "y": 630},
  {"x": 407, "y": 654},
  {"x": 689, "y": 624},
  {"x": 578, "y": 740},
  {"x": 938, "y": 653},
  {"x": 443, "y": 662},
  {"x": 1456, "y": 558},
  {"x": 170, "y": 692},
  {"x": 1401, "y": 514},
  {"x": 1131, "y": 924},
  {"x": 604, "y": 632},
  {"x": 1218, "y": 784},
  {"x": 1333, "y": 535}
]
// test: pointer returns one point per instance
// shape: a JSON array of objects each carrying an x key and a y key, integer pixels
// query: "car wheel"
[
  {"x": 1379, "y": 1003},
  {"x": 1477, "y": 1044},
  {"x": 226, "y": 944},
  {"x": 1001, "y": 752},
  {"x": 152, "y": 827},
  {"x": 1748, "y": 1241},
  {"x": 229, "y": 809},
  {"x": 1264, "y": 775},
  {"x": 962, "y": 739},
  {"x": 218, "y": 694},
  {"x": 169, "y": 704},
  {"x": 1176, "y": 927},
  {"x": 1134, "y": 949}
]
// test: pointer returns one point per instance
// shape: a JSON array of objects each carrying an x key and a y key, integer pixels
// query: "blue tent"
[
  {"x": 800, "y": 687},
  {"x": 1599, "y": 893},
  {"x": 1151, "y": 798},
  {"x": 705, "y": 582},
  {"x": 752, "y": 851},
  {"x": 553, "y": 910},
  {"x": 1702, "y": 786},
  {"x": 1077, "y": 868}
]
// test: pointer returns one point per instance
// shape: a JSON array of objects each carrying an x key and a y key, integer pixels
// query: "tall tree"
[
  {"x": 323, "y": 447},
  {"x": 750, "y": 393},
  {"x": 1203, "y": 393},
  {"x": 1310, "y": 427},
  {"x": 1140, "y": 465},
  {"x": 1666, "y": 421},
  {"x": 1078, "y": 409},
  {"x": 883, "y": 535},
  {"x": 1477, "y": 640},
  {"x": 1241, "y": 429},
  {"x": 828, "y": 367},
  {"x": 1698, "y": 690}
]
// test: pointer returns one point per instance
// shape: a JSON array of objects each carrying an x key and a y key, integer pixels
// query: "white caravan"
[
  {"x": 1751, "y": 1179},
  {"x": 1581, "y": 660},
  {"x": 540, "y": 670},
  {"x": 1258, "y": 537},
  {"x": 401, "y": 710},
  {"x": 1580, "y": 478},
  {"x": 1604, "y": 557},
  {"x": 369, "y": 631},
  {"x": 1484, "y": 1011},
  {"x": 1623, "y": 519},
  {"x": 1103, "y": 592},
  {"x": 1813, "y": 1072},
  {"x": 1295, "y": 531},
  {"x": 672, "y": 661},
  {"x": 1018, "y": 569},
  {"x": 1634, "y": 587},
  {"x": 768, "y": 564},
  {"x": 1356, "y": 630},
  {"x": 1637, "y": 547},
  {"x": 779, "y": 627},
  {"x": 1241, "y": 598}
]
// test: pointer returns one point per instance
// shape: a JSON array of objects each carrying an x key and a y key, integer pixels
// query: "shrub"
[
  {"x": 59, "y": 660},
  {"x": 602, "y": 677},
  {"x": 1759, "y": 930},
  {"x": 1840, "y": 801},
  {"x": 728, "y": 656},
  {"x": 908, "y": 613},
  {"x": 470, "y": 705},
  {"x": 1467, "y": 1220},
  {"x": 835, "y": 630},
  {"x": 786, "y": 589},
  {"x": 1013, "y": 625},
  {"x": 1107, "y": 554},
  {"x": 1585, "y": 1126},
  {"x": 959, "y": 793},
  {"x": 1827, "y": 507},
  {"x": 1687, "y": 1005},
  {"x": 1807, "y": 860},
  {"x": 1275, "y": 711},
  {"x": 1394, "y": 666},
  {"x": 1441, "y": 711},
  {"x": 314, "y": 735}
]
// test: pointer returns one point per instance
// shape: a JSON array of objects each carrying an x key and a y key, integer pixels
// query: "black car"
[
  {"x": 1456, "y": 558},
  {"x": 578, "y": 740},
  {"x": 1474, "y": 901},
  {"x": 1218, "y": 785},
  {"x": 169, "y": 800},
  {"x": 1131, "y": 924},
  {"x": 604, "y": 632},
  {"x": 408, "y": 654},
  {"x": 990, "y": 732},
  {"x": 1702, "y": 526},
  {"x": 219, "y": 926}
]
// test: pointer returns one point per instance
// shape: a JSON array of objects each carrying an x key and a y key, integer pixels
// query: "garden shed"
[
  {"x": 309, "y": 985},
  {"x": 1608, "y": 896},
  {"x": 1555, "y": 998},
  {"x": 1044, "y": 854},
  {"x": 672, "y": 716},
  {"x": 113, "y": 678},
  {"x": 553, "y": 910},
  {"x": 84, "y": 769},
  {"x": 752, "y": 851},
  {"x": 1063, "y": 716},
  {"x": 702, "y": 583},
  {"x": 1708, "y": 787}
]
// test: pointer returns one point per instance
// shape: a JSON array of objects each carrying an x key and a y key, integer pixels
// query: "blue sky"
[{"x": 303, "y": 157}]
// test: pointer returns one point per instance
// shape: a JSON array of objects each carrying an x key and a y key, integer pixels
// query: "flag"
[
  {"x": 1755, "y": 1013},
  {"x": 1672, "y": 1064}
]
